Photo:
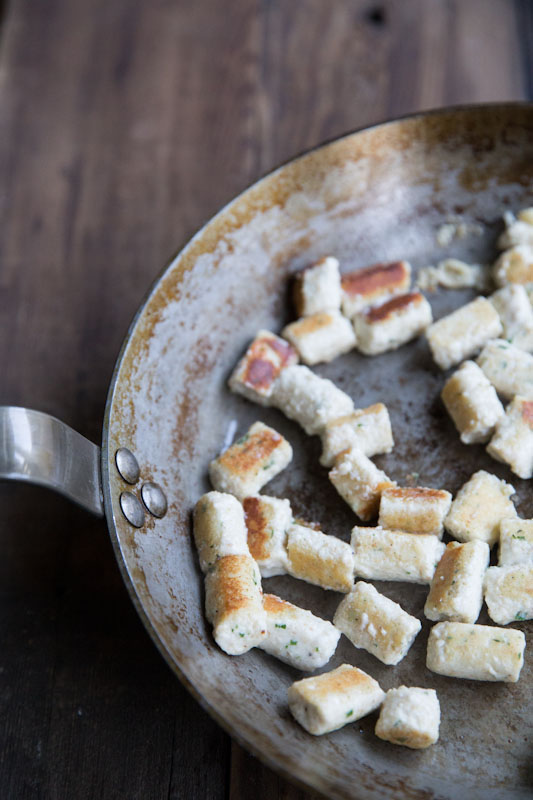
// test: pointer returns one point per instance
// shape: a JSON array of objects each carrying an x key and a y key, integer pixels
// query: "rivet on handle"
[
  {"x": 127, "y": 465},
  {"x": 154, "y": 499},
  {"x": 132, "y": 509}
]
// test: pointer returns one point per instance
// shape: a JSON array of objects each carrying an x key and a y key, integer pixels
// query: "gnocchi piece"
[
  {"x": 514, "y": 266},
  {"x": 317, "y": 288},
  {"x": 367, "y": 429},
  {"x": 308, "y": 399},
  {"x": 414, "y": 509},
  {"x": 359, "y": 482},
  {"x": 472, "y": 403},
  {"x": 479, "y": 507},
  {"x": 389, "y": 326},
  {"x": 254, "y": 459},
  {"x": 321, "y": 337},
  {"x": 266, "y": 357},
  {"x": 509, "y": 593},
  {"x": 516, "y": 542},
  {"x": 508, "y": 368},
  {"x": 512, "y": 442},
  {"x": 267, "y": 522},
  {"x": 394, "y": 556},
  {"x": 234, "y": 604},
  {"x": 410, "y": 717},
  {"x": 519, "y": 232},
  {"x": 463, "y": 332},
  {"x": 456, "y": 592},
  {"x": 219, "y": 528},
  {"x": 475, "y": 652},
  {"x": 513, "y": 306},
  {"x": 296, "y": 636},
  {"x": 371, "y": 285},
  {"x": 329, "y": 701},
  {"x": 376, "y": 624},
  {"x": 320, "y": 559}
]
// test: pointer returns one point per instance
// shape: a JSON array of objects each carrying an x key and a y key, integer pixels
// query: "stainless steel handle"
[{"x": 39, "y": 448}]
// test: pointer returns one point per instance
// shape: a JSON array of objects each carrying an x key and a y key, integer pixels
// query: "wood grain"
[{"x": 124, "y": 124}]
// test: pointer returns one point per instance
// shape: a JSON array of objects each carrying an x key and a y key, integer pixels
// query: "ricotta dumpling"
[
  {"x": 516, "y": 542},
  {"x": 508, "y": 368},
  {"x": 296, "y": 636},
  {"x": 266, "y": 357},
  {"x": 513, "y": 306},
  {"x": 472, "y": 403},
  {"x": 509, "y": 593},
  {"x": 410, "y": 717},
  {"x": 456, "y": 591},
  {"x": 515, "y": 265},
  {"x": 518, "y": 232},
  {"x": 308, "y": 399},
  {"x": 317, "y": 288},
  {"x": 375, "y": 284},
  {"x": 321, "y": 337},
  {"x": 475, "y": 652},
  {"x": 463, "y": 332},
  {"x": 512, "y": 442},
  {"x": 395, "y": 556},
  {"x": 392, "y": 324},
  {"x": 254, "y": 459},
  {"x": 320, "y": 559},
  {"x": 414, "y": 509},
  {"x": 359, "y": 482},
  {"x": 267, "y": 521},
  {"x": 376, "y": 624},
  {"x": 367, "y": 429},
  {"x": 219, "y": 528},
  {"x": 481, "y": 504},
  {"x": 234, "y": 604},
  {"x": 329, "y": 701}
]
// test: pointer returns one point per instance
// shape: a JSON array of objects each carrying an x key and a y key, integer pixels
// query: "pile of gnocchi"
[{"x": 243, "y": 536}]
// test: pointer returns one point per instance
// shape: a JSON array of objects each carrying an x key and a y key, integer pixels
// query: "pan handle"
[{"x": 39, "y": 448}]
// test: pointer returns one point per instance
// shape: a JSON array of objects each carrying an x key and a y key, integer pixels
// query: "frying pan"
[{"x": 375, "y": 195}]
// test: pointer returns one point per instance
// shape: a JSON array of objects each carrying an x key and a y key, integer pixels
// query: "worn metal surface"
[{"x": 375, "y": 195}]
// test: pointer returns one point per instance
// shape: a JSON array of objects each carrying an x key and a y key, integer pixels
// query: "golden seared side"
[
  {"x": 267, "y": 522},
  {"x": 330, "y": 701},
  {"x": 254, "y": 459},
  {"x": 479, "y": 507},
  {"x": 234, "y": 604},
  {"x": 456, "y": 591},
  {"x": 320, "y": 559},
  {"x": 374, "y": 284},
  {"x": 414, "y": 509},
  {"x": 265, "y": 358}
]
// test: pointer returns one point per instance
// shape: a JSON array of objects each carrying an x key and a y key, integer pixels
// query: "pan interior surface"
[{"x": 376, "y": 195}]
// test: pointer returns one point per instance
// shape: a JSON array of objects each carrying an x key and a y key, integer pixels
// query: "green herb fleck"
[
  {"x": 293, "y": 641},
  {"x": 243, "y": 439},
  {"x": 271, "y": 532},
  {"x": 520, "y": 616},
  {"x": 280, "y": 625},
  {"x": 498, "y": 640},
  {"x": 316, "y": 650},
  {"x": 360, "y": 425},
  {"x": 242, "y": 635},
  {"x": 518, "y": 537},
  {"x": 449, "y": 637},
  {"x": 349, "y": 713},
  {"x": 203, "y": 507}
]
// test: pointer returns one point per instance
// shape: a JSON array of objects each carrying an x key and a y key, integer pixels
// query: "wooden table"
[{"x": 126, "y": 124}]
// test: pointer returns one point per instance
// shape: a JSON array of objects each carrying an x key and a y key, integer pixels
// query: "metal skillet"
[{"x": 375, "y": 195}]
